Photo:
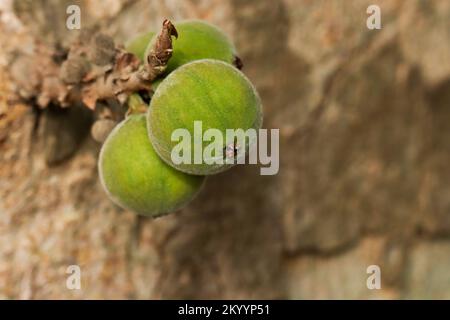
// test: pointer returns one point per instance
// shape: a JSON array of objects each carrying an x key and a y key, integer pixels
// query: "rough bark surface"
[{"x": 364, "y": 179}]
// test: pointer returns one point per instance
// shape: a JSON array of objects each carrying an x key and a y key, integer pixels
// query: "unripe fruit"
[
  {"x": 139, "y": 44},
  {"x": 135, "y": 177},
  {"x": 210, "y": 91},
  {"x": 197, "y": 40}
]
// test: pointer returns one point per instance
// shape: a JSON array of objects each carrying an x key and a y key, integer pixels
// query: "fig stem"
[
  {"x": 93, "y": 69},
  {"x": 136, "y": 104}
]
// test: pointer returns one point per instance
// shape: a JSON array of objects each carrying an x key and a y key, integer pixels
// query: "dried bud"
[
  {"x": 101, "y": 129},
  {"x": 74, "y": 69},
  {"x": 103, "y": 50}
]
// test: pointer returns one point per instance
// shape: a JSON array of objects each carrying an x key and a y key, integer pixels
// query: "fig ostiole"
[
  {"x": 136, "y": 179},
  {"x": 209, "y": 93}
]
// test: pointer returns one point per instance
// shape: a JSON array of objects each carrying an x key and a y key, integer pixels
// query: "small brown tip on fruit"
[
  {"x": 237, "y": 62},
  {"x": 167, "y": 24},
  {"x": 230, "y": 151}
]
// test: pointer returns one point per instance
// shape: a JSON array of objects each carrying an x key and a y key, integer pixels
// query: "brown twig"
[{"x": 92, "y": 69}]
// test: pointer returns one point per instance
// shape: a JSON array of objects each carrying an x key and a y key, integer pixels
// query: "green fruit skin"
[
  {"x": 210, "y": 91},
  {"x": 197, "y": 40},
  {"x": 135, "y": 177},
  {"x": 156, "y": 83},
  {"x": 139, "y": 44}
]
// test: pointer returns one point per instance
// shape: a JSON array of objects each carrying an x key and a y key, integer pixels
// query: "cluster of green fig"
[{"x": 200, "y": 84}]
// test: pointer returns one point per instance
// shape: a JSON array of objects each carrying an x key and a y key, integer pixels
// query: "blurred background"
[{"x": 364, "y": 119}]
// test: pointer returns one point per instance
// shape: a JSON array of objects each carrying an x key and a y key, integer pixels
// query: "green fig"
[
  {"x": 213, "y": 94},
  {"x": 197, "y": 40},
  {"x": 156, "y": 83},
  {"x": 135, "y": 177}
]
